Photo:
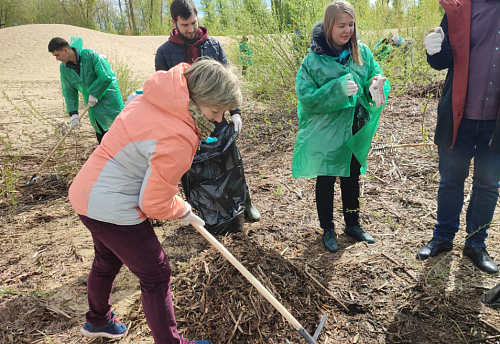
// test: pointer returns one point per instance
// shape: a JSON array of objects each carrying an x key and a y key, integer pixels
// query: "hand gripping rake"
[
  {"x": 36, "y": 176},
  {"x": 291, "y": 320}
]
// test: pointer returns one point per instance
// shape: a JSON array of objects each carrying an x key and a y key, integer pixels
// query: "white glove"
[
  {"x": 92, "y": 100},
  {"x": 237, "y": 122},
  {"x": 433, "y": 41},
  {"x": 188, "y": 216},
  {"x": 352, "y": 87},
  {"x": 377, "y": 91},
  {"x": 74, "y": 121}
]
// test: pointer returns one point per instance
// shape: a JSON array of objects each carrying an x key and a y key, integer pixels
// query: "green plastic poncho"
[
  {"x": 245, "y": 54},
  {"x": 324, "y": 144},
  {"x": 97, "y": 79},
  {"x": 382, "y": 50}
]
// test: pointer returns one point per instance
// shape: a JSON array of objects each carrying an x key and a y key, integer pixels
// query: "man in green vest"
[{"x": 89, "y": 72}]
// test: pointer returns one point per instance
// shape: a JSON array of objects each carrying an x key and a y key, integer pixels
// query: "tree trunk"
[
  {"x": 121, "y": 15},
  {"x": 132, "y": 17},
  {"x": 128, "y": 16}
]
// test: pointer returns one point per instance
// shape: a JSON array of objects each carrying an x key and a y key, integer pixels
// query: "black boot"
[
  {"x": 251, "y": 213},
  {"x": 358, "y": 233},
  {"x": 433, "y": 248},
  {"x": 330, "y": 240},
  {"x": 481, "y": 258}
]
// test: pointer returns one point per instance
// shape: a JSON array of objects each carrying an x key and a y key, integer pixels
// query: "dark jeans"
[
  {"x": 472, "y": 142},
  {"x": 137, "y": 247},
  {"x": 349, "y": 187}
]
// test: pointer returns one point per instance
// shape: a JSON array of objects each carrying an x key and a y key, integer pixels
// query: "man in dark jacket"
[
  {"x": 187, "y": 42},
  {"x": 467, "y": 43}
]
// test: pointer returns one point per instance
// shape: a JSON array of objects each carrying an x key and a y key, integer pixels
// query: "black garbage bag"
[
  {"x": 215, "y": 184},
  {"x": 491, "y": 298}
]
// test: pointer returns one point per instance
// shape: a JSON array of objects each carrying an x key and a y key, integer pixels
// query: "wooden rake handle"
[
  {"x": 60, "y": 142},
  {"x": 255, "y": 282}
]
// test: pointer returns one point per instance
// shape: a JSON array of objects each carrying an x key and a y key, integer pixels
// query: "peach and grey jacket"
[{"x": 135, "y": 171}]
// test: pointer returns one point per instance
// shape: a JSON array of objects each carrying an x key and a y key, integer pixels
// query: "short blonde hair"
[
  {"x": 210, "y": 83},
  {"x": 332, "y": 14}
]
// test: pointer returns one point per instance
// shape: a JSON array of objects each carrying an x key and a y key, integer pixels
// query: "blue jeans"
[{"x": 472, "y": 141}]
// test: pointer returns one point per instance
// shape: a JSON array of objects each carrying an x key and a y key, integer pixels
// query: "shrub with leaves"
[{"x": 127, "y": 81}]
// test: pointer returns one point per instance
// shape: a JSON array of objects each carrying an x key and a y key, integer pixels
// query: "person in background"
[
  {"x": 134, "y": 175},
  {"x": 89, "y": 72},
  {"x": 341, "y": 89},
  {"x": 386, "y": 46},
  {"x": 245, "y": 55},
  {"x": 467, "y": 44},
  {"x": 187, "y": 42}
]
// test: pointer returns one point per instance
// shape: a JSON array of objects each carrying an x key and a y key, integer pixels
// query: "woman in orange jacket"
[{"x": 133, "y": 175}]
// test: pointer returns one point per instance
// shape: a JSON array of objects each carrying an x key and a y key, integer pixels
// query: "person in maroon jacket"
[
  {"x": 468, "y": 44},
  {"x": 187, "y": 42}
]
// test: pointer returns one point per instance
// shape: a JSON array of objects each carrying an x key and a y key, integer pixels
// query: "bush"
[
  {"x": 278, "y": 49},
  {"x": 127, "y": 81}
]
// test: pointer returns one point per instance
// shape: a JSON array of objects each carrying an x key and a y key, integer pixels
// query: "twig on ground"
[
  {"x": 484, "y": 339},
  {"x": 325, "y": 289},
  {"x": 237, "y": 324},
  {"x": 399, "y": 266},
  {"x": 490, "y": 325},
  {"x": 465, "y": 340}
]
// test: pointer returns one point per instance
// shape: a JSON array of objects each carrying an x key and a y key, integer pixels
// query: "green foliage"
[
  {"x": 281, "y": 41},
  {"x": 279, "y": 35},
  {"x": 127, "y": 81},
  {"x": 11, "y": 160},
  {"x": 113, "y": 16}
]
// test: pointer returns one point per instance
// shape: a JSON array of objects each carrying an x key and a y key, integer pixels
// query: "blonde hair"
[
  {"x": 332, "y": 14},
  {"x": 210, "y": 83}
]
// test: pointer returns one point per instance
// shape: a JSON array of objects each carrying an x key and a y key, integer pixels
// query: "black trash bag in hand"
[{"x": 215, "y": 184}]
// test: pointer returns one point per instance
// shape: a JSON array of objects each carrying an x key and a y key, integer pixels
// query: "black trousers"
[
  {"x": 100, "y": 136},
  {"x": 349, "y": 188}
]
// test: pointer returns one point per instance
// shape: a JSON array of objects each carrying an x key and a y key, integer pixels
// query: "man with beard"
[{"x": 187, "y": 42}]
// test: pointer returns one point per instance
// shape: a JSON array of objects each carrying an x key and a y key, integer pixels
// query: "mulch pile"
[{"x": 214, "y": 300}]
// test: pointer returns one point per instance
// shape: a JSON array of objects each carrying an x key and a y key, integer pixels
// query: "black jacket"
[
  {"x": 170, "y": 54},
  {"x": 455, "y": 57}
]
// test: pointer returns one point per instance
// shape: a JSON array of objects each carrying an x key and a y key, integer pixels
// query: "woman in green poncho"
[{"x": 341, "y": 90}]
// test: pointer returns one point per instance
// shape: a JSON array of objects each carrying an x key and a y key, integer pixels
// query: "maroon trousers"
[{"x": 137, "y": 247}]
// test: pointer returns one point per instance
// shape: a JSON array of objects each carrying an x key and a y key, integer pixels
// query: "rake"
[
  {"x": 35, "y": 175},
  {"x": 255, "y": 282}
]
